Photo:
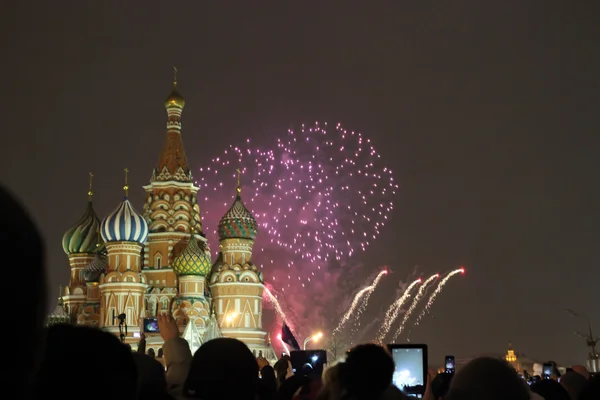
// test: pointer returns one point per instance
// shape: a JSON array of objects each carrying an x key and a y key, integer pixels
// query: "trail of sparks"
[
  {"x": 437, "y": 291},
  {"x": 414, "y": 304},
  {"x": 320, "y": 194},
  {"x": 365, "y": 300},
  {"x": 284, "y": 344},
  {"x": 366, "y": 293},
  {"x": 276, "y": 304},
  {"x": 394, "y": 310}
]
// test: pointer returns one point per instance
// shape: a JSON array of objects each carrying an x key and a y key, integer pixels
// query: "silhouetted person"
[
  {"x": 19, "y": 236},
  {"x": 487, "y": 378},
  {"x": 550, "y": 390},
  {"x": 82, "y": 362},
  {"x": 292, "y": 384},
  {"x": 367, "y": 372},
  {"x": 267, "y": 387},
  {"x": 283, "y": 369},
  {"x": 222, "y": 369},
  {"x": 574, "y": 383},
  {"x": 592, "y": 389},
  {"x": 440, "y": 385},
  {"x": 152, "y": 383}
]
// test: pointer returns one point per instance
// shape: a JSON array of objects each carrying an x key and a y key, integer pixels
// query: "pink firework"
[{"x": 319, "y": 194}]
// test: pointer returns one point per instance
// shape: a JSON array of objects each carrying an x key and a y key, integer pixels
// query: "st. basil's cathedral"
[{"x": 130, "y": 266}]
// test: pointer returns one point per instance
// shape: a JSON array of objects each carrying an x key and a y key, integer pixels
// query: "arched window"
[{"x": 157, "y": 261}]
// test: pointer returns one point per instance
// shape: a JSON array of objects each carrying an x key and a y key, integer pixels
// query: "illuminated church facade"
[{"x": 130, "y": 265}]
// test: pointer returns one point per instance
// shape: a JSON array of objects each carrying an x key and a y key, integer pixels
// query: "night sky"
[{"x": 486, "y": 113}]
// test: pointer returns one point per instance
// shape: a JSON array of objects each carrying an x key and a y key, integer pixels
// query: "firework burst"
[{"x": 319, "y": 194}]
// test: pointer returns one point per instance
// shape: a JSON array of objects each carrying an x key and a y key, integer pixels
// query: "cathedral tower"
[
  {"x": 81, "y": 243},
  {"x": 89, "y": 312},
  {"x": 192, "y": 266},
  {"x": 236, "y": 284},
  {"x": 123, "y": 287},
  {"x": 171, "y": 209}
]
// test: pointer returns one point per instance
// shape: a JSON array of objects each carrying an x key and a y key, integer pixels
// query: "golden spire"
[
  {"x": 239, "y": 187},
  {"x": 126, "y": 186},
  {"x": 174, "y": 76},
  {"x": 90, "y": 191}
]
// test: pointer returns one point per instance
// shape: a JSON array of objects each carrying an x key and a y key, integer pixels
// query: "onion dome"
[
  {"x": 83, "y": 236},
  {"x": 124, "y": 225},
  {"x": 193, "y": 260},
  {"x": 175, "y": 99},
  {"x": 238, "y": 222},
  {"x": 96, "y": 267}
]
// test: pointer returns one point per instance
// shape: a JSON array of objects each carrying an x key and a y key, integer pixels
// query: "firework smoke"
[
  {"x": 394, "y": 310},
  {"x": 364, "y": 295},
  {"x": 437, "y": 291},
  {"x": 414, "y": 304}
]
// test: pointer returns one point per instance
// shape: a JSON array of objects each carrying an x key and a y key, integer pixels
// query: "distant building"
[
  {"x": 520, "y": 362},
  {"x": 132, "y": 266}
]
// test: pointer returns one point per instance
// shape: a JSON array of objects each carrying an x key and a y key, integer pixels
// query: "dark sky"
[{"x": 485, "y": 111}]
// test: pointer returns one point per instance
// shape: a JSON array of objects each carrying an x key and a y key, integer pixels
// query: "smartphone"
[
  {"x": 410, "y": 374},
  {"x": 449, "y": 364},
  {"x": 150, "y": 325},
  {"x": 547, "y": 370},
  {"x": 309, "y": 361}
]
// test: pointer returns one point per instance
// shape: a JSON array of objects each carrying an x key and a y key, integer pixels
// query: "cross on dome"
[{"x": 126, "y": 186}]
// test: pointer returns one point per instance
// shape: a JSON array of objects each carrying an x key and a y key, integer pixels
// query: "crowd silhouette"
[{"x": 76, "y": 362}]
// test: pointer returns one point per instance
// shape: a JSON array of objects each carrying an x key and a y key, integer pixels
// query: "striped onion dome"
[
  {"x": 83, "y": 236},
  {"x": 238, "y": 222},
  {"x": 193, "y": 260},
  {"x": 96, "y": 267},
  {"x": 124, "y": 225}
]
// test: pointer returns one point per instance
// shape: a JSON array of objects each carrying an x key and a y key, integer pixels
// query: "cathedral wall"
[
  {"x": 78, "y": 262},
  {"x": 121, "y": 297},
  {"x": 124, "y": 256},
  {"x": 238, "y": 307},
  {"x": 161, "y": 278},
  {"x": 236, "y": 251},
  {"x": 191, "y": 285}
]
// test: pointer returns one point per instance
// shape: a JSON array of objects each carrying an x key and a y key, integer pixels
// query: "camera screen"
[
  {"x": 547, "y": 370},
  {"x": 308, "y": 361},
  {"x": 151, "y": 325},
  {"x": 449, "y": 363},
  {"x": 409, "y": 375}
]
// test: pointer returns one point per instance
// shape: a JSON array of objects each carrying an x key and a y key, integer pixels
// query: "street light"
[
  {"x": 591, "y": 339},
  {"x": 314, "y": 338}
]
